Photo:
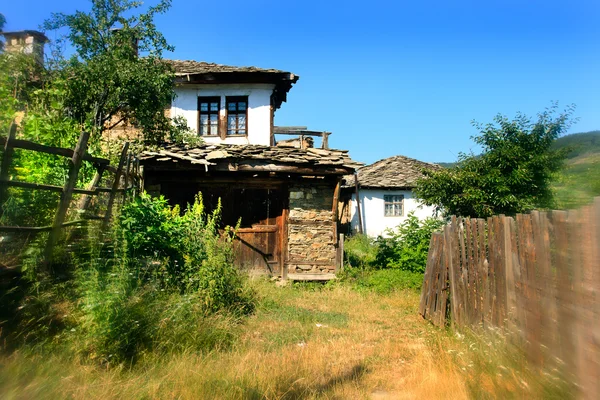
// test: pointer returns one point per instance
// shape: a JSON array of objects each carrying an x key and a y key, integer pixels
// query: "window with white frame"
[{"x": 393, "y": 205}]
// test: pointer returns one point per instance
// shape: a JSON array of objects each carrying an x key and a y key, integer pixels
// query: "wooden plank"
[
  {"x": 586, "y": 297},
  {"x": 67, "y": 194},
  {"x": 451, "y": 262},
  {"x": 566, "y": 307},
  {"x": 6, "y": 161},
  {"x": 482, "y": 267},
  {"x": 85, "y": 200},
  {"x": 58, "y": 151},
  {"x": 427, "y": 276},
  {"x": 115, "y": 186},
  {"x": 311, "y": 277},
  {"x": 258, "y": 229},
  {"x": 336, "y": 200}
]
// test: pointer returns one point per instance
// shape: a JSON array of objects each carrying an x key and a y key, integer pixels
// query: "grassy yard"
[{"x": 303, "y": 342}]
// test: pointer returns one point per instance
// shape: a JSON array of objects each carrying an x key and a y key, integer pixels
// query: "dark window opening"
[
  {"x": 237, "y": 115},
  {"x": 208, "y": 118}
]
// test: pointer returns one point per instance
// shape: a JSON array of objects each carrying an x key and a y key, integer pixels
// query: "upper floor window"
[
  {"x": 237, "y": 115},
  {"x": 393, "y": 204},
  {"x": 208, "y": 120}
]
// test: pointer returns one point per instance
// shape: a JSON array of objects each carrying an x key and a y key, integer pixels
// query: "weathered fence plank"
[
  {"x": 67, "y": 194},
  {"x": 6, "y": 160},
  {"x": 537, "y": 276}
]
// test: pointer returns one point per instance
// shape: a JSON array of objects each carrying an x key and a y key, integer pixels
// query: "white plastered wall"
[
  {"x": 259, "y": 109},
  {"x": 372, "y": 208}
]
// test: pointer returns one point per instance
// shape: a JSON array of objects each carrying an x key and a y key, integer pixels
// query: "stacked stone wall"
[{"x": 312, "y": 241}]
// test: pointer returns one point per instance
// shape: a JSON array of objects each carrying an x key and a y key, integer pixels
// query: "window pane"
[
  {"x": 231, "y": 106},
  {"x": 231, "y": 124},
  {"x": 241, "y": 121},
  {"x": 214, "y": 106},
  {"x": 203, "y": 106},
  {"x": 204, "y": 124},
  {"x": 242, "y": 106}
]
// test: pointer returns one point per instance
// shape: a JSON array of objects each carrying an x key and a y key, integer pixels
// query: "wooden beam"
[
  {"x": 258, "y": 229},
  {"x": 6, "y": 161},
  {"x": 311, "y": 277},
  {"x": 36, "y": 229},
  {"x": 58, "y": 151},
  {"x": 84, "y": 202},
  {"x": 67, "y": 194},
  {"x": 115, "y": 186}
]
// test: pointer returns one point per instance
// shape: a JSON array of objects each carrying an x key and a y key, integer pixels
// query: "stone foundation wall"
[{"x": 312, "y": 241}]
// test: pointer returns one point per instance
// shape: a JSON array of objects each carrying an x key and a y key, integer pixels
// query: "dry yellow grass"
[{"x": 301, "y": 343}]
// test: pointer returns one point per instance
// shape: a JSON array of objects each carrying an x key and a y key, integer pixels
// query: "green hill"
[{"x": 579, "y": 182}]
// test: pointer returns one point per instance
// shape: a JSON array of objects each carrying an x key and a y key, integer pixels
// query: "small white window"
[{"x": 394, "y": 205}]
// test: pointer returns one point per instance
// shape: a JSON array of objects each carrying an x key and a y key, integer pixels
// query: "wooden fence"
[
  {"x": 127, "y": 171},
  {"x": 537, "y": 276}
]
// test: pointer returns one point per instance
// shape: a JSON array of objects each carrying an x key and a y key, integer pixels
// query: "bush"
[
  {"x": 407, "y": 245},
  {"x": 360, "y": 251},
  {"x": 171, "y": 285}
]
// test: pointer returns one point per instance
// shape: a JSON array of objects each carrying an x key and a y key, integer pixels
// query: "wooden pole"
[
  {"x": 325, "y": 143},
  {"x": 6, "y": 160},
  {"x": 115, "y": 187},
  {"x": 84, "y": 203},
  {"x": 67, "y": 194},
  {"x": 360, "y": 224}
]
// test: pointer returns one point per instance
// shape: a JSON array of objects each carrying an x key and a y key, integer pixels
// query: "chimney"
[
  {"x": 131, "y": 41},
  {"x": 26, "y": 42}
]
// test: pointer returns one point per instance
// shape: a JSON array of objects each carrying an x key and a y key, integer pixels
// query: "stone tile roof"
[
  {"x": 211, "y": 154},
  {"x": 392, "y": 172},
  {"x": 186, "y": 67}
]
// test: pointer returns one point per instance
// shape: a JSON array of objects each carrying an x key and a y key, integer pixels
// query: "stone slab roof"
[
  {"x": 211, "y": 154},
  {"x": 392, "y": 172},
  {"x": 187, "y": 67}
]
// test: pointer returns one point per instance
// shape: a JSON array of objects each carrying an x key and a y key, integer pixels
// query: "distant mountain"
[{"x": 579, "y": 143}]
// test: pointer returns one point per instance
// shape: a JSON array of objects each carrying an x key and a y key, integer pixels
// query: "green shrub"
[
  {"x": 407, "y": 245},
  {"x": 171, "y": 285},
  {"x": 360, "y": 251}
]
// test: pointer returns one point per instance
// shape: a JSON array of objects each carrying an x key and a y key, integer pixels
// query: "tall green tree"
[
  {"x": 511, "y": 175},
  {"x": 106, "y": 81}
]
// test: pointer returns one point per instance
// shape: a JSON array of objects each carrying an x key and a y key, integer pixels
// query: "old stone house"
[
  {"x": 384, "y": 190},
  {"x": 286, "y": 196}
]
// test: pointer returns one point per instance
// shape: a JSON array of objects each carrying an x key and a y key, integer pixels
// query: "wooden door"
[{"x": 258, "y": 246}]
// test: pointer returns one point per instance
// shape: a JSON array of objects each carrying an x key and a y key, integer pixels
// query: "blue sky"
[{"x": 393, "y": 77}]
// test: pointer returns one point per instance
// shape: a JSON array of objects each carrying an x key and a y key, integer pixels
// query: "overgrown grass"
[
  {"x": 331, "y": 342},
  {"x": 579, "y": 182},
  {"x": 309, "y": 342}
]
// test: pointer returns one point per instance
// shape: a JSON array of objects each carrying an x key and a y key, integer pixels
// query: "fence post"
[
  {"x": 84, "y": 203},
  {"x": 67, "y": 193},
  {"x": 115, "y": 186},
  {"x": 6, "y": 160}
]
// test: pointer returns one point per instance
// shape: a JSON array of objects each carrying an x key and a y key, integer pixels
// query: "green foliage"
[
  {"x": 360, "y": 251},
  {"x": 512, "y": 175},
  {"x": 406, "y": 246},
  {"x": 171, "y": 285},
  {"x": 113, "y": 84},
  {"x": 381, "y": 281}
]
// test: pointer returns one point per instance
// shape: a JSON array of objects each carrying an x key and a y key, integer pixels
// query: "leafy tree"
[
  {"x": 107, "y": 83},
  {"x": 512, "y": 175}
]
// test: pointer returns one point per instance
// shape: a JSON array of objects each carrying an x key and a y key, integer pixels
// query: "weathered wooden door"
[{"x": 259, "y": 241}]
